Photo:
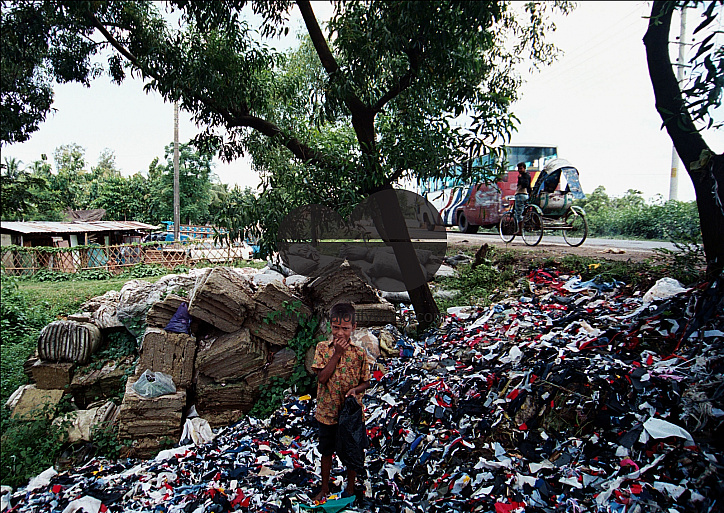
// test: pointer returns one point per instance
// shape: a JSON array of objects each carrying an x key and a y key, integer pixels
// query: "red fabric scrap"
[
  {"x": 238, "y": 499},
  {"x": 502, "y": 507}
]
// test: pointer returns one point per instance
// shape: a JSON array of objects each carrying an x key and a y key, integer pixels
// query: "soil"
[{"x": 546, "y": 250}]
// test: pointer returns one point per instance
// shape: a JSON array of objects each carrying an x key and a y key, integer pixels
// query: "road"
[{"x": 614, "y": 249}]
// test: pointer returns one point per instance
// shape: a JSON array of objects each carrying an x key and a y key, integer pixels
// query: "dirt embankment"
[{"x": 550, "y": 247}]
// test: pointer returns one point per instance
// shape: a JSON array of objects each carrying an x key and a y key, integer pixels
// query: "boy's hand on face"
[{"x": 340, "y": 345}]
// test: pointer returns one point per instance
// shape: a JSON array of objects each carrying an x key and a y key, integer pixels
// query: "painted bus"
[{"x": 470, "y": 206}]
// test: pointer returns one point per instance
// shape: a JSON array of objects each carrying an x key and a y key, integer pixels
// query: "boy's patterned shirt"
[{"x": 352, "y": 369}]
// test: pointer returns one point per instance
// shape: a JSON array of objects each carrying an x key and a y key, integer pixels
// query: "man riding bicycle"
[{"x": 522, "y": 193}]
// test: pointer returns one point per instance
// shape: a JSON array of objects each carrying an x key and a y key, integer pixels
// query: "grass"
[{"x": 64, "y": 298}]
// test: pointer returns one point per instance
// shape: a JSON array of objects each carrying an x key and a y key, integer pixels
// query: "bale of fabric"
[
  {"x": 375, "y": 314},
  {"x": 170, "y": 353},
  {"x": 52, "y": 376},
  {"x": 68, "y": 341},
  {"x": 223, "y": 403},
  {"x": 223, "y": 298},
  {"x": 270, "y": 320},
  {"x": 281, "y": 366},
  {"x": 340, "y": 283},
  {"x": 90, "y": 385},
  {"x": 231, "y": 355},
  {"x": 158, "y": 417}
]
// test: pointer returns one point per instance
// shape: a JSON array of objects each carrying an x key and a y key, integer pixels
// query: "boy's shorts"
[{"x": 327, "y": 438}]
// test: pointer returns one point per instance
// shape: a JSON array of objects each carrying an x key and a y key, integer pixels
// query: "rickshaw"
[{"x": 550, "y": 208}]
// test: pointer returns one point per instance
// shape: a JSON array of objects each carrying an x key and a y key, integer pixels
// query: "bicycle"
[{"x": 531, "y": 227}]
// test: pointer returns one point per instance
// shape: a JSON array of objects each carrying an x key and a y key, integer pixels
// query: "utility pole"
[
  {"x": 176, "y": 192},
  {"x": 675, "y": 161}
]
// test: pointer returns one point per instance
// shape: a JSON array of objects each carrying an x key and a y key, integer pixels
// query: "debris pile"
[
  {"x": 575, "y": 398},
  {"x": 220, "y": 333}
]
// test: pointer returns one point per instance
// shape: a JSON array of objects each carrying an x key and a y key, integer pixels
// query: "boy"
[{"x": 342, "y": 371}]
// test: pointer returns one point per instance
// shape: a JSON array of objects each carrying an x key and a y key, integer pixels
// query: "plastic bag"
[
  {"x": 352, "y": 436},
  {"x": 154, "y": 384},
  {"x": 181, "y": 320}
]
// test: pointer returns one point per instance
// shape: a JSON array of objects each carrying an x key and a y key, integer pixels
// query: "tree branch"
[
  {"x": 114, "y": 42},
  {"x": 670, "y": 102},
  {"x": 233, "y": 117},
  {"x": 362, "y": 116},
  {"x": 402, "y": 84},
  {"x": 300, "y": 150},
  {"x": 318, "y": 39}
]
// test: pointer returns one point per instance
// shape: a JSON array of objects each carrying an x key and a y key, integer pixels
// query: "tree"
[
  {"x": 25, "y": 195},
  {"x": 385, "y": 100},
  {"x": 681, "y": 111},
  {"x": 71, "y": 181},
  {"x": 123, "y": 199},
  {"x": 194, "y": 184}
]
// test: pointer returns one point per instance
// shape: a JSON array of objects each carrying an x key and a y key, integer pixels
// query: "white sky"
[{"x": 595, "y": 104}]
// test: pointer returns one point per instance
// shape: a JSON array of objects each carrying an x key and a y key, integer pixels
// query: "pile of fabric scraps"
[{"x": 577, "y": 398}]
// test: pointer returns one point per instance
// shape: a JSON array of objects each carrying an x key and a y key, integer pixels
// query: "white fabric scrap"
[
  {"x": 87, "y": 503},
  {"x": 482, "y": 319},
  {"x": 42, "y": 479},
  {"x": 536, "y": 467},
  {"x": 613, "y": 484},
  {"x": 392, "y": 470},
  {"x": 663, "y": 289},
  {"x": 172, "y": 453},
  {"x": 198, "y": 430},
  {"x": 513, "y": 356},
  {"x": 670, "y": 489},
  {"x": 657, "y": 428},
  {"x": 481, "y": 492},
  {"x": 571, "y": 481},
  {"x": 389, "y": 400},
  {"x": 521, "y": 480}
]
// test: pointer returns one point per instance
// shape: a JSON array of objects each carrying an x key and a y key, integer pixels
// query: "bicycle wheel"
[
  {"x": 578, "y": 231},
  {"x": 508, "y": 227},
  {"x": 532, "y": 227}
]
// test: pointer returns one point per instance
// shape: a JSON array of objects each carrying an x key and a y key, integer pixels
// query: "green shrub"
[
  {"x": 300, "y": 381},
  {"x": 20, "y": 324},
  {"x": 142, "y": 270},
  {"x": 120, "y": 345},
  {"x": 475, "y": 285},
  {"x": 29, "y": 444},
  {"x": 93, "y": 274},
  {"x": 630, "y": 216},
  {"x": 51, "y": 275},
  {"x": 107, "y": 442}
]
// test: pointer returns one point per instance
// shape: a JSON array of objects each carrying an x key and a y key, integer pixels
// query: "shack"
[
  {"x": 102, "y": 245},
  {"x": 71, "y": 234}
]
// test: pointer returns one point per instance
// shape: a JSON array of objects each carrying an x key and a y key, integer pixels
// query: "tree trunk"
[
  {"x": 392, "y": 220},
  {"x": 392, "y": 224},
  {"x": 705, "y": 169}
]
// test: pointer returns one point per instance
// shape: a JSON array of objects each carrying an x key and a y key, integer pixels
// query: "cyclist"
[{"x": 522, "y": 193}]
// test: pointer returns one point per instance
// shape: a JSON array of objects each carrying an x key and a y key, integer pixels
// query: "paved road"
[{"x": 614, "y": 248}]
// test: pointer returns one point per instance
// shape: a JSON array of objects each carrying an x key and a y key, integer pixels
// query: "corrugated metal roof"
[{"x": 76, "y": 227}]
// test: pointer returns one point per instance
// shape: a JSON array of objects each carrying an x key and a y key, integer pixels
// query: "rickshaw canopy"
[{"x": 549, "y": 178}]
